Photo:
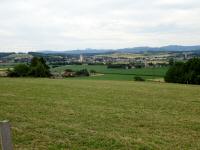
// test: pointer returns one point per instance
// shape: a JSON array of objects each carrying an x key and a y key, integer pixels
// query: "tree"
[
  {"x": 175, "y": 73},
  {"x": 171, "y": 61},
  {"x": 39, "y": 68},
  {"x": 186, "y": 73}
]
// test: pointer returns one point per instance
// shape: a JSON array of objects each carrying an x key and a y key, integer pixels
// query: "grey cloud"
[{"x": 66, "y": 24}]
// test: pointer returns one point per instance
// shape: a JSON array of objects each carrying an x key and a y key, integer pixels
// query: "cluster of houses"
[{"x": 144, "y": 61}]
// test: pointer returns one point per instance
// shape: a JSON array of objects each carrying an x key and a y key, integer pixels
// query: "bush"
[
  {"x": 119, "y": 66},
  {"x": 20, "y": 70},
  {"x": 137, "y": 78},
  {"x": 69, "y": 70},
  {"x": 83, "y": 72},
  {"x": 93, "y": 71}
]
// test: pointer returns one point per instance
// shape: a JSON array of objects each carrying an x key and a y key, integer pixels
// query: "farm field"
[
  {"x": 3, "y": 71},
  {"x": 92, "y": 114},
  {"x": 115, "y": 77},
  {"x": 117, "y": 74},
  {"x": 130, "y": 55},
  {"x": 7, "y": 65}
]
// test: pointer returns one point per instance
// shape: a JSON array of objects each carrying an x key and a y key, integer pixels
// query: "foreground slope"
[{"x": 89, "y": 114}]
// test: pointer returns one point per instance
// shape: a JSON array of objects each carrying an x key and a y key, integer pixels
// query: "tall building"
[
  {"x": 185, "y": 56},
  {"x": 81, "y": 58}
]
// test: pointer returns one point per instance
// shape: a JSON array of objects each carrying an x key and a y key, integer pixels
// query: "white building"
[{"x": 81, "y": 58}]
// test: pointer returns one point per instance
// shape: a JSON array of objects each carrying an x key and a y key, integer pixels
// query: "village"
[{"x": 135, "y": 60}]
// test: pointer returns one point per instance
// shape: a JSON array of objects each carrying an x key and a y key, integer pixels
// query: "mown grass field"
[
  {"x": 117, "y": 74},
  {"x": 90, "y": 114}
]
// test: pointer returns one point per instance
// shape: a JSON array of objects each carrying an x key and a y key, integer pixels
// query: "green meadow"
[
  {"x": 116, "y": 74},
  {"x": 100, "y": 114}
]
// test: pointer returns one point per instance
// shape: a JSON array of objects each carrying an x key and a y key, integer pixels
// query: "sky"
[{"x": 32, "y": 25}]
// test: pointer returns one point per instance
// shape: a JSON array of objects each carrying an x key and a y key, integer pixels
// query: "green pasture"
[
  {"x": 117, "y": 74},
  {"x": 58, "y": 114}
]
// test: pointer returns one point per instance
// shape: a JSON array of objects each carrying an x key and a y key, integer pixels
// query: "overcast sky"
[{"x": 30, "y": 25}]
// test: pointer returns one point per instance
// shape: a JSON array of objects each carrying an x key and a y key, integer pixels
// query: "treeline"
[
  {"x": 58, "y": 64},
  {"x": 37, "y": 68},
  {"x": 78, "y": 73},
  {"x": 119, "y": 66},
  {"x": 185, "y": 73},
  {"x": 5, "y": 54}
]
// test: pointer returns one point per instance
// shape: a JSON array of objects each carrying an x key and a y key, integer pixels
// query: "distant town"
[{"x": 133, "y": 58}]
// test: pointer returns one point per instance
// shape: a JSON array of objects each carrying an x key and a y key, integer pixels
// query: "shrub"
[
  {"x": 69, "y": 70},
  {"x": 119, "y": 66},
  {"x": 20, "y": 70},
  {"x": 137, "y": 78},
  {"x": 83, "y": 72},
  {"x": 93, "y": 71}
]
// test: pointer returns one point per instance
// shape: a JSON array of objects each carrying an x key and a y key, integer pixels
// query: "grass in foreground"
[{"x": 84, "y": 114}]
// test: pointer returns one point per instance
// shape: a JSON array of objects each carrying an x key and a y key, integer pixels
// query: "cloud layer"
[{"x": 64, "y": 24}]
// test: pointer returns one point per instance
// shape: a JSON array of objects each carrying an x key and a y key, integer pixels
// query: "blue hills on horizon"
[{"x": 170, "y": 48}]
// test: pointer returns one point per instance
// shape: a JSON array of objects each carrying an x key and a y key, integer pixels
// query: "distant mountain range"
[
  {"x": 170, "y": 48},
  {"x": 86, "y": 51}
]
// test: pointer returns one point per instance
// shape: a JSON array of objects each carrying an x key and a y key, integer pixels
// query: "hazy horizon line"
[{"x": 98, "y": 49}]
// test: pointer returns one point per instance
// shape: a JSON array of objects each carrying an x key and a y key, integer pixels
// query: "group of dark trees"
[
  {"x": 58, "y": 64},
  {"x": 79, "y": 73},
  {"x": 37, "y": 68},
  {"x": 184, "y": 72},
  {"x": 119, "y": 66},
  {"x": 5, "y": 54},
  {"x": 83, "y": 72},
  {"x": 138, "y": 78}
]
